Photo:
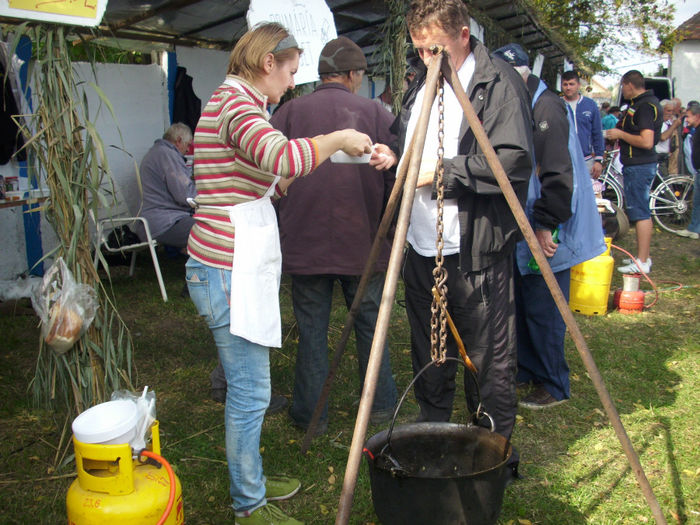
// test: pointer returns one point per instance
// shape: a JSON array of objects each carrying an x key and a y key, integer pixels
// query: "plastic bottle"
[{"x": 532, "y": 263}]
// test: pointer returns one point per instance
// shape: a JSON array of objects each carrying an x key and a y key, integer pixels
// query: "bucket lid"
[{"x": 105, "y": 421}]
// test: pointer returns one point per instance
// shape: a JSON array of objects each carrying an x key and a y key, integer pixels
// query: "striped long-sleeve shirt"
[{"x": 237, "y": 154}]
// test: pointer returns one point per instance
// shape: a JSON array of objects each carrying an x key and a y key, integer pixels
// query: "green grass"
[{"x": 574, "y": 467}]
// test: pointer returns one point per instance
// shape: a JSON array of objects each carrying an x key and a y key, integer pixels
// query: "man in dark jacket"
[
  {"x": 561, "y": 184},
  {"x": 638, "y": 132},
  {"x": 480, "y": 231},
  {"x": 328, "y": 221}
]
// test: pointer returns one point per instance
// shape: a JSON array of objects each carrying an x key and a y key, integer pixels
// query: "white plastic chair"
[{"x": 105, "y": 226}]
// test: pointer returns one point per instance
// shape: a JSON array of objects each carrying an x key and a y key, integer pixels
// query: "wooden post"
[
  {"x": 515, "y": 206},
  {"x": 384, "y": 316}
]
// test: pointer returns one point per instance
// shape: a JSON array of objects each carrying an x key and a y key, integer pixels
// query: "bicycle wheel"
[
  {"x": 671, "y": 203},
  {"x": 613, "y": 190}
]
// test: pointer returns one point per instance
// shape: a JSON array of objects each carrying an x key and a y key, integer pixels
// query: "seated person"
[{"x": 167, "y": 184}]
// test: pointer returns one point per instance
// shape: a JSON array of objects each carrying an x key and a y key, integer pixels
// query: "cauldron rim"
[{"x": 376, "y": 443}]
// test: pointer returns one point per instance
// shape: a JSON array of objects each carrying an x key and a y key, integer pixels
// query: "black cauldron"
[{"x": 438, "y": 473}]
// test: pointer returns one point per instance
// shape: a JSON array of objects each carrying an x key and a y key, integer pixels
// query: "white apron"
[
  {"x": 256, "y": 272},
  {"x": 257, "y": 269}
]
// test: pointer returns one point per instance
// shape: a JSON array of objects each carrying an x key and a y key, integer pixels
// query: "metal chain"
[{"x": 438, "y": 309}]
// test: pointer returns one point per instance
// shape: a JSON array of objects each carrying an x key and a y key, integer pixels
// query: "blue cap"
[{"x": 514, "y": 54}]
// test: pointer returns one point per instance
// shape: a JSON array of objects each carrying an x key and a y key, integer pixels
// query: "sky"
[{"x": 649, "y": 64}]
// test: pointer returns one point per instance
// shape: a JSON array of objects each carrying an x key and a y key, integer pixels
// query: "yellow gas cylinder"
[
  {"x": 113, "y": 488},
  {"x": 590, "y": 284}
]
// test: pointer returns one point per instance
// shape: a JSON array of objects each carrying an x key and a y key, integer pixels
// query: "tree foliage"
[{"x": 597, "y": 29}]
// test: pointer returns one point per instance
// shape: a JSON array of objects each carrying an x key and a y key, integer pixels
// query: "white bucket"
[{"x": 110, "y": 423}]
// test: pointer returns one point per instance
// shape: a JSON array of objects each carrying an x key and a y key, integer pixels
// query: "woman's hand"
[
  {"x": 350, "y": 141},
  {"x": 382, "y": 157},
  {"x": 355, "y": 143}
]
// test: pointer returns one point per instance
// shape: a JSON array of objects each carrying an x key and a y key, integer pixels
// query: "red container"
[{"x": 630, "y": 302}]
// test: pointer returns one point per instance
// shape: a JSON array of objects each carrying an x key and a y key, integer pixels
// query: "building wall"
[
  {"x": 138, "y": 95},
  {"x": 207, "y": 68},
  {"x": 685, "y": 70}
]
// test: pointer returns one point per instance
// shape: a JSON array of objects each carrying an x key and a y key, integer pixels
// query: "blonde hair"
[{"x": 247, "y": 58}]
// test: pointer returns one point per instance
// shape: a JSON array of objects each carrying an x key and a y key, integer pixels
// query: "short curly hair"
[{"x": 449, "y": 15}]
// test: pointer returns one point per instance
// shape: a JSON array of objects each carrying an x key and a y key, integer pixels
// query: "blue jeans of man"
[
  {"x": 312, "y": 296},
  {"x": 541, "y": 332},
  {"x": 247, "y": 369},
  {"x": 637, "y": 181}
]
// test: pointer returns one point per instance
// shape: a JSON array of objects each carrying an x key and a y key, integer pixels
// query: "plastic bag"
[
  {"x": 146, "y": 406},
  {"x": 65, "y": 307}
]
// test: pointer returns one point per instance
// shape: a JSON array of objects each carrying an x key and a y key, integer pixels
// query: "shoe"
[
  {"x": 266, "y": 515},
  {"x": 512, "y": 469},
  {"x": 689, "y": 234},
  {"x": 626, "y": 260},
  {"x": 321, "y": 427},
  {"x": 218, "y": 395},
  {"x": 539, "y": 399},
  {"x": 278, "y": 488},
  {"x": 636, "y": 267},
  {"x": 277, "y": 404}
]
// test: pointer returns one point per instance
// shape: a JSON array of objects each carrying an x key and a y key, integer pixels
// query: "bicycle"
[
  {"x": 611, "y": 180},
  {"x": 670, "y": 200}
]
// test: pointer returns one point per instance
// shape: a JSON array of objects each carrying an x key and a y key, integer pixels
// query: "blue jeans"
[
  {"x": 312, "y": 296},
  {"x": 541, "y": 332},
  {"x": 637, "y": 181},
  {"x": 247, "y": 369},
  {"x": 694, "y": 225}
]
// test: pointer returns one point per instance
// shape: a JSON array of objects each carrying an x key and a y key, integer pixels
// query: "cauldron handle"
[{"x": 475, "y": 417}]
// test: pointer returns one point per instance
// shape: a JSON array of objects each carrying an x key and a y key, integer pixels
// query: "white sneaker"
[
  {"x": 688, "y": 233},
  {"x": 636, "y": 266}
]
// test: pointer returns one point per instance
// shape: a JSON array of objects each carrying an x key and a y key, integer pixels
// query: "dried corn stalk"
[{"x": 67, "y": 154}]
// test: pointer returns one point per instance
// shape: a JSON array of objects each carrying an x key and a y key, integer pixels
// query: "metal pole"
[
  {"x": 384, "y": 316},
  {"x": 515, "y": 206},
  {"x": 382, "y": 231}
]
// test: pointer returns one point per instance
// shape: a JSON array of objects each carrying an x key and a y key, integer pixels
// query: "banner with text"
[
  {"x": 73, "y": 12},
  {"x": 310, "y": 21}
]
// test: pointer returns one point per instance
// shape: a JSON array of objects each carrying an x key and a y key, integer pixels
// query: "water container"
[{"x": 590, "y": 284}]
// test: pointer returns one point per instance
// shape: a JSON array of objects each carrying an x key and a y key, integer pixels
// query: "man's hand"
[
  {"x": 596, "y": 169},
  {"x": 544, "y": 237},
  {"x": 382, "y": 157},
  {"x": 612, "y": 134}
]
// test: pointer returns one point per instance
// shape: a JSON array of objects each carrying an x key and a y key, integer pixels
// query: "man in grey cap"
[{"x": 328, "y": 221}]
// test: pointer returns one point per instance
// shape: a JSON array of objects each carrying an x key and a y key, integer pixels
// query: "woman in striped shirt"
[{"x": 240, "y": 161}]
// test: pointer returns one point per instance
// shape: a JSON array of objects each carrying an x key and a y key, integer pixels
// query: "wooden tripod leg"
[
  {"x": 515, "y": 206},
  {"x": 384, "y": 316}
]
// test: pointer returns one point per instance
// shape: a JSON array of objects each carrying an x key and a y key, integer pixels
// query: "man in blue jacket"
[
  {"x": 588, "y": 122},
  {"x": 560, "y": 197}
]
